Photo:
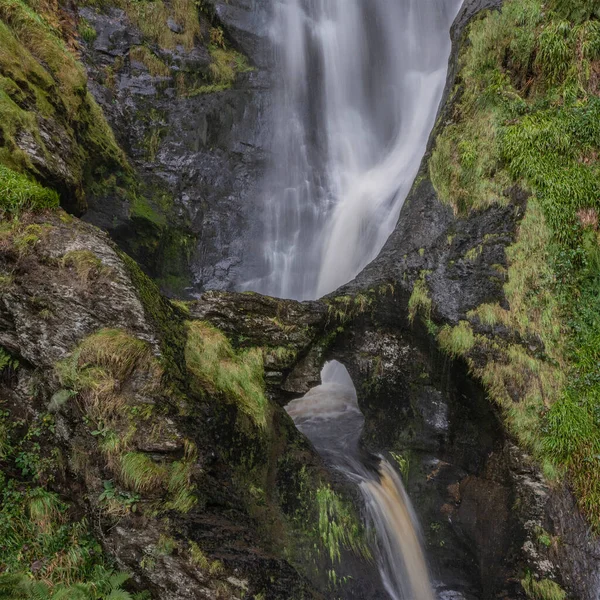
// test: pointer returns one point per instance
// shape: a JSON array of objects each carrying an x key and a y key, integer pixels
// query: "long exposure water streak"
[{"x": 361, "y": 81}]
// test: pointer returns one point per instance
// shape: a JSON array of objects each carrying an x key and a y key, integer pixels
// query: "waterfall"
[
  {"x": 330, "y": 417},
  {"x": 360, "y": 84}
]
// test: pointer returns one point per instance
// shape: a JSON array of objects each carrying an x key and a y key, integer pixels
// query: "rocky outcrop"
[
  {"x": 188, "y": 486},
  {"x": 491, "y": 520},
  {"x": 197, "y": 147}
]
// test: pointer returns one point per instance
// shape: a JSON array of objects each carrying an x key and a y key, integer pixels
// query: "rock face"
[
  {"x": 488, "y": 515},
  {"x": 198, "y": 153},
  {"x": 221, "y": 497}
]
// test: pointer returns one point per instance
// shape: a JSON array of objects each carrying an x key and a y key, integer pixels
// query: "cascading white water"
[
  {"x": 330, "y": 417},
  {"x": 361, "y": 81}
]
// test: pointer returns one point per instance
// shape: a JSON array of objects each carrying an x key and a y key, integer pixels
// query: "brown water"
[{"x": 330, "y": 417}]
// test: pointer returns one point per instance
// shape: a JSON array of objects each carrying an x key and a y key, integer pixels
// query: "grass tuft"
[
  {"x": 86, "y": 264},
  {"x": 543, "y": 589},
  {"x": 237, "y": 376},
  {"x": 156, "y": 67},
  {"x": 139, "y": 472},
  {"x": 456, "y": 341},
  {"x": 419, "y": 301},
  {"x": 19, "y": 193},
  {"x": 114, "y": 350}
]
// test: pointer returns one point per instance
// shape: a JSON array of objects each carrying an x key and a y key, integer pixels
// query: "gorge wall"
[{"x": 150, "y": 418}]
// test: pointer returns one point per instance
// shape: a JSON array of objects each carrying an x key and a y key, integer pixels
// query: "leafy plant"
[
  {"x": 118, "y": 501},
  {"x": 104, "y": 585}
]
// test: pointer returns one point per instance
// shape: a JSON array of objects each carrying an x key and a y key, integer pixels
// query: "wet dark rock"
[
  {"x": 199, "y": 156},
  {"x": 482, "y": 501},
  {"x": 247, "y": 22}
]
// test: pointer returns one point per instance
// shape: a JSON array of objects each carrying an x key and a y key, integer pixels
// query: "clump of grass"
[
  {"x": 238, "y": 377},
  {"x": 403, "y": 464},
  {"x": 542, "y": 589},
  {"x": 139, "y": 472},
  {"x": 181, "y": 489},
  {"x": 576, "y": 10},
  {"x": 488, "y": 314},
  {"x": 86, "y": 264},
  {"x": 151, "y": 18},
  {"x": 198, "y": 557},
  {"x": 19, "y": 193},
  {"x": 338, "y": 526},
  {"x": 115, "y": 350},
  {"x": 419, "y": 301},
  {"x": 165, "y": 545},
  {"x": 458, "y": 340},
  {"x": 44, "y": 509},
  {"x": 156, "y": 67},
  {"x": 95, "y": 373},
  {"x": 86, "y": 31}
]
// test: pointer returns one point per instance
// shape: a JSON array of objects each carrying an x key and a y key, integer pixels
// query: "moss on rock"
[{"x": 528, "y": 116}]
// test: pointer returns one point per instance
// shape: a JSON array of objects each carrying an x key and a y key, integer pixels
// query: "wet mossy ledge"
[{"x": 142, "y": 451}]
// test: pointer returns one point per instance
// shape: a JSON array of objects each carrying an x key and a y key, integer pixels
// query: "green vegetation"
[
  {"x": 338, "y": 526},
  {"x": 345, "y": 308},
  {"x": 101, "y": 376},
  {"x": 419, "y": 301},
  {"x": 7, "y": 361},
  {"x": 86, "y": 31},
  {"x": 103, "y": 584},
  {"x": 307, "y": 500},
  {"x": 145, "y": 56},
  {"x": 200, "y": 559},
  {"x": 41, "y": 79},
  {"x": 530, "y": 116},
  {"x": 576, "y": 10},
  {"x": 19, "y": 193},
  {"x": 403, "y": 464},
  {"x": 86, "y": 264},
  {"x": 226, "y": 61},
  {"x": 458, "y": 340},
  {"x": 237, "y": 376},
  {"x": 140, "y": 473},
  {"x": 163, "y": 316},
  {"x": 45, "y": 552},
  {"x": 151, "y": 18},
  {"x": 543, "y": 589}
]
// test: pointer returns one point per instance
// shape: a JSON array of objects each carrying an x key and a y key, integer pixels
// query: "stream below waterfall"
[
  {"x": 360, "y": 85},
  {"x": 331, "y": 419}
]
